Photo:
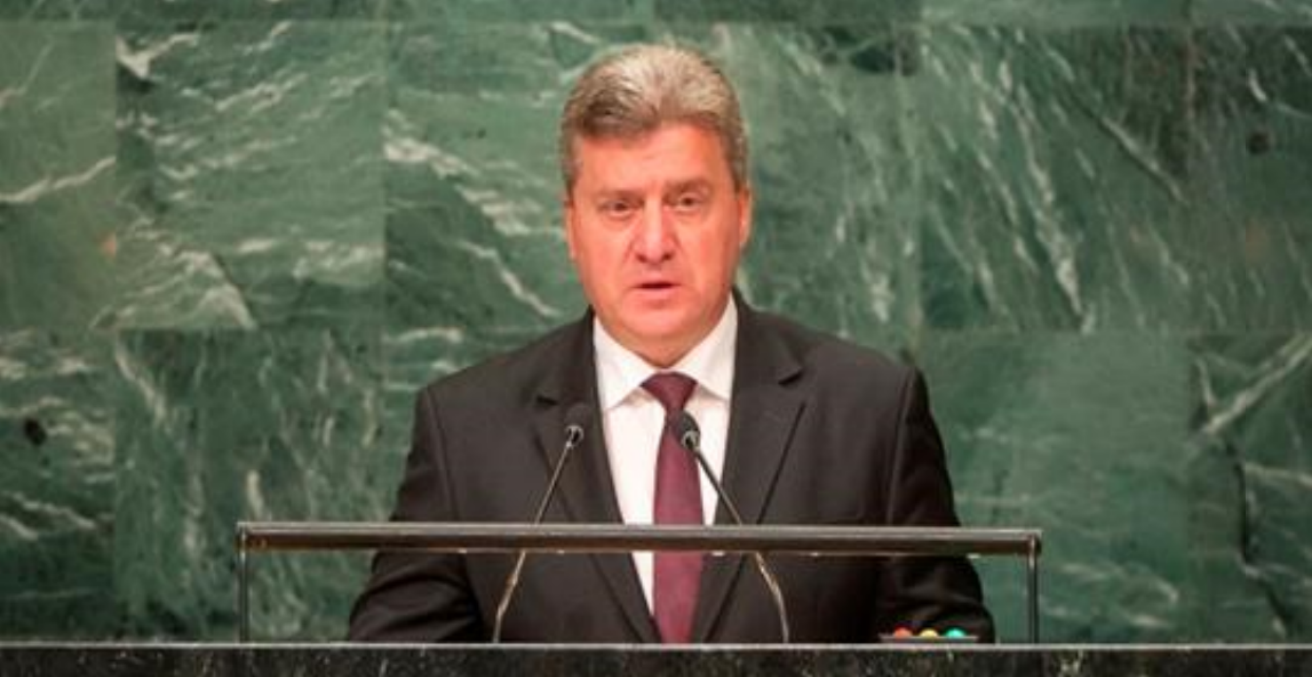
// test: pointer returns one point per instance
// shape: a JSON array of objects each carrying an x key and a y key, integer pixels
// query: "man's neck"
[{"x": 710, "y": 361}]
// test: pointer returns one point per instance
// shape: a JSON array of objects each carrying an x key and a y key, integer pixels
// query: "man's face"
[{"x": 655, "y": 227}]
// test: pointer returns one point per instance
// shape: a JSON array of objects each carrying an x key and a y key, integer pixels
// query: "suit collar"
[
  {"x": 586, "y": 493},
  {"x": 763, "y": 414},
  {"x": 763, "y": 411}
]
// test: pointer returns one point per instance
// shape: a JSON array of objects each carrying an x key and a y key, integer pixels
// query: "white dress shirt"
[{"x": 632, "y": 420}]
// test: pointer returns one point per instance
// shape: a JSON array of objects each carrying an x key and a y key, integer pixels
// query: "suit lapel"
[
  {"x": 586, "y": 492},
  {"x": 762, "y": 416}
]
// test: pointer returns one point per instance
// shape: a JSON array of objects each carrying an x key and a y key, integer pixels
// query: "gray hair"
[{"x": 634, "y": 92}]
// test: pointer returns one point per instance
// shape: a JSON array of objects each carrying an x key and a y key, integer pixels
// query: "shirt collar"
[{"x": 620, "y": 371}]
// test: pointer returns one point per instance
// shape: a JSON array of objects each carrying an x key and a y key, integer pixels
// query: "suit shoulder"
[
  {"x": 510, "y": 374},
  {"x": 831, "y": 355}
]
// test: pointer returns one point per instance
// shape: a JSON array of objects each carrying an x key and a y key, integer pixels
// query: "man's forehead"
[{"x": 618, "y": 159}]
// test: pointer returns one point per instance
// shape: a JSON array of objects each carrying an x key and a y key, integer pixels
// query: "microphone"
[
  {"x": 576, "y": 420},
  {"x": 690, "y": 437}
]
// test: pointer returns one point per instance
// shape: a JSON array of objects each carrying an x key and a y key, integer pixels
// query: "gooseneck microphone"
[
  {"x": 576, "y": 420},
  {"x": 690, "y": 437}
]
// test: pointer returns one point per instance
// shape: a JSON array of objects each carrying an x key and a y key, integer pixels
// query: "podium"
[
  {"x": 341, "y": 660},
  {"x": 797, "y": 540}
]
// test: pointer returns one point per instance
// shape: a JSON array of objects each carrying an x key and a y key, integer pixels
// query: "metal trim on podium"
[{"x": 466, "y": 537}]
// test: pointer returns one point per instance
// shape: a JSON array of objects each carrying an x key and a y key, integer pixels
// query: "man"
[{"x": 803, "y": 428}]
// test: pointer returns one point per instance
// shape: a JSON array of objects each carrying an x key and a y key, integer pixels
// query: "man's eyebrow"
[
  {"x": 613, "y": 193},
  {"x": 690, "y": 184}
]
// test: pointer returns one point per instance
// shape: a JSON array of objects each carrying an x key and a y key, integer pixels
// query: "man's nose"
[{"x": 655, "y": 236}]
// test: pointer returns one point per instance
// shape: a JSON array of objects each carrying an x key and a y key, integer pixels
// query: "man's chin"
[
  {"x": 664, "y": 347},
  {"x": 658, "y": 322}
]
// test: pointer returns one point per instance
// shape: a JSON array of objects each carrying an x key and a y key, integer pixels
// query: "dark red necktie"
[{"x": 678, "y": 501}]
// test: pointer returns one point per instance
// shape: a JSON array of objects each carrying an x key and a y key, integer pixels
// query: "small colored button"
[
  {"x": 929, "y": 633},
  {"x": 955, "y": 633},
  {"x": 902, "y": 632}
]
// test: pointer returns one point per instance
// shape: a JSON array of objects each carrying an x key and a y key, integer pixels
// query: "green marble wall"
[{"x": 235, "y": 237}]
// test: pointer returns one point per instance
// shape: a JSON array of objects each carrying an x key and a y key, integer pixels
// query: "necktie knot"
[{"x": 671, "y": 389}]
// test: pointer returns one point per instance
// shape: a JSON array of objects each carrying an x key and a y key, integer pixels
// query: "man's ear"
[
  {"x": 745, "y": 203},
  {"x": 567, "y": 217}
]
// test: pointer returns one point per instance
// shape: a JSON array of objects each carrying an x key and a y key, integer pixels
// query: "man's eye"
[
  {"x": 689, "y": 203},
  {"x": 617, "y": 209}
]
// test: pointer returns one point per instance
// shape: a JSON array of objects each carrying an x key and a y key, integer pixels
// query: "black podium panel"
[{"x": 341, "y": 660}]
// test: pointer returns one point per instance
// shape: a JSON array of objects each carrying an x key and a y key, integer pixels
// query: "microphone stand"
[
  {"x": 573, "y": 435},
  {"x": 690, "y": 438}
]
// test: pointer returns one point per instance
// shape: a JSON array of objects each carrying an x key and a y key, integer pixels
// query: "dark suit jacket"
[{"x": 821, "y": 432}]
